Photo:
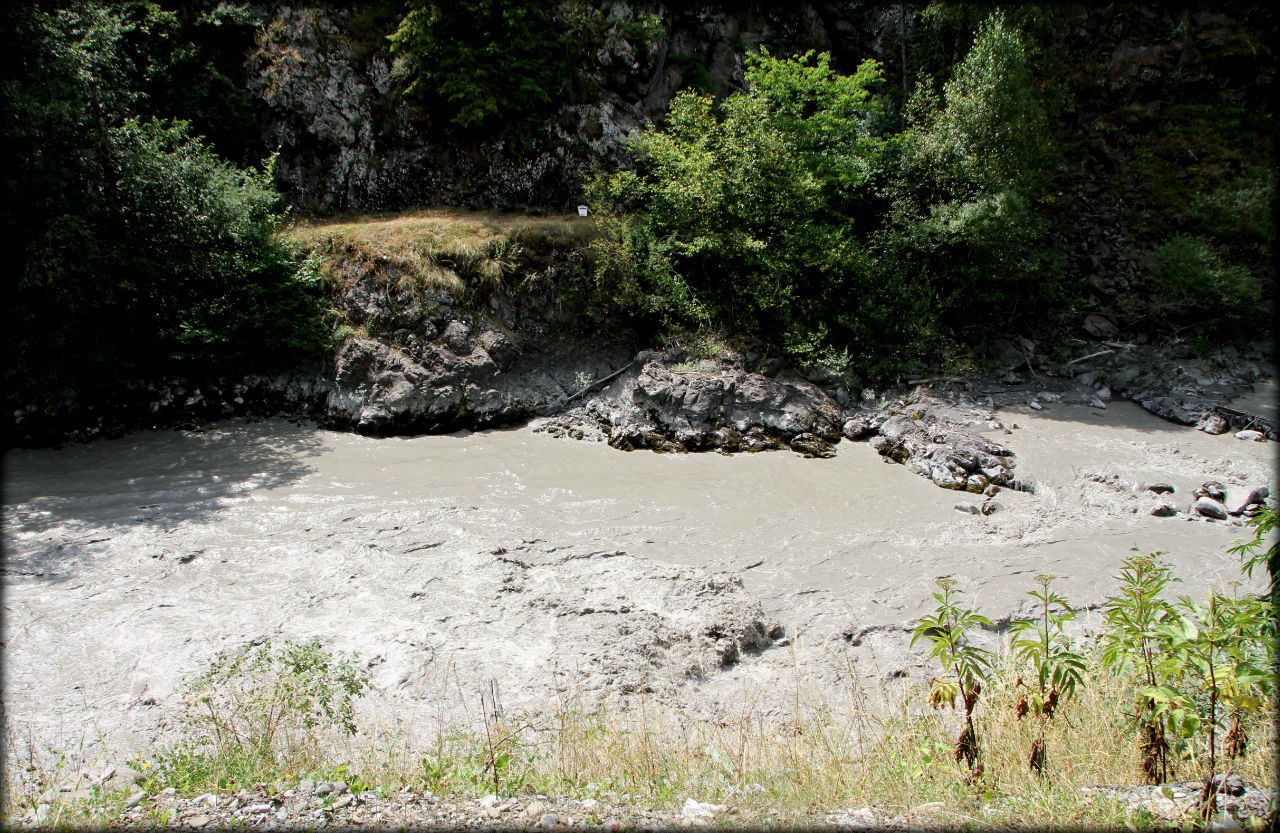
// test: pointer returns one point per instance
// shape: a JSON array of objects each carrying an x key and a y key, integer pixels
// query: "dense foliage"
[
  {"x": 139, "y": 251},
  {"x": 791, "y": 210},
  {"x": 500, "y": 69},
  {"x": 486, "y": 64}
]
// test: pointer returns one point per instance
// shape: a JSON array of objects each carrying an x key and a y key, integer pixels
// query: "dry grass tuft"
[{"x": 444, "y": 248}]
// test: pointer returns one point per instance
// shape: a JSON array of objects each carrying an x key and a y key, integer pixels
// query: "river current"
[{"x": 129, "y": 563}]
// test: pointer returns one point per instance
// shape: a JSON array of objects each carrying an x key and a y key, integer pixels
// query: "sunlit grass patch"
[{"x": 447, "y": 249}]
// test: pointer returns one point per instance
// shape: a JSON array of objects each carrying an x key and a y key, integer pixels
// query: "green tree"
[
  {"x": 140, "y": 252},
  {"x": 966, "y": 189},
  {"x": 746, "y": 211}
]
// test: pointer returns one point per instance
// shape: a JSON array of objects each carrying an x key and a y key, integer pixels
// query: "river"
[{"x": 449, "y": 561}]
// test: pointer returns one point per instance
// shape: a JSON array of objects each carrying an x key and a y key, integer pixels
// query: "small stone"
[
  {"x": 1212, "y": 423},
  {"x": 491, "y": 812},
  {"x": 590, "y": 804},
  {"x": 1238, "y": 499},
  {"x": 1035, "y": 406},
  {"x": 1223, "y": 823},
  {"x": 548, "y": 820},
  {"x": 345, "y": 800},
  {"x": 1251, "y": 435},
  {"x": 1097, "y": 403},
  {"x": 1160, "y": 488},
  {"x": 257, "y": 809},
  {"x": 135, "y": 799},
  {"x": 1104, "y": 393},
  {"x": 198, "y": 821},
  {"x": 206, "y": 798},
  {"x": 698, "y": 809},
  {"x": 306, "y": 787},
  {"x": 971, "y": 508},
  {"x": 489, "y": 800},
  {"x": 1164, "y": 510},
  {"x": 1210, "y": 508},
  {"x": 535, "y": 809},
  {"x": 1229, "y": 784},
  {"x": 1099, "y": 327}
]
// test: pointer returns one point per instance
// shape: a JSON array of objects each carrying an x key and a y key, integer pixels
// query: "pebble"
[
  {"x": 344, "y": 801},
  {"x": 971, "y": 508},
  {"x": 1035, "y": 406},
  {"x": 1097, "y": 403},
  {"x": 1251, "y": 435},
  {"x": 198, "y": 821},
  {"x": 1210, "y": 508},
  {"x": 698, "y": 809},
  {"x": 549, "y": 820},
  {"x": 135, "y": 799},
  {"x": 1160, "y": 488},
  {"x": 1164, "y": 510}
]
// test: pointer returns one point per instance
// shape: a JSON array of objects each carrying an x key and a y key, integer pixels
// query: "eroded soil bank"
[{"x": 553, "y": 565}]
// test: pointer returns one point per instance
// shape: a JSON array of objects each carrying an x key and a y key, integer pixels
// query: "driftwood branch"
[
  {"x": 597, "y": 383},
  {"x": 1091, "y": 356},
  {"x": 934, "y": 379}
]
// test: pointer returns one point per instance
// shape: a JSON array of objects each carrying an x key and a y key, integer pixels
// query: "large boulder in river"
[{"x": 717, "y": 406}]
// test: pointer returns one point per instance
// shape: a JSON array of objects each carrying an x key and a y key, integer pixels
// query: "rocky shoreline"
[{"x": 332, "y": 804}]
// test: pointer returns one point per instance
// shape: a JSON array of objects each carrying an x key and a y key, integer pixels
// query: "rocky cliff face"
[
  {"x": 328, "y": 100},
  {"x": 327, "y": 97}
]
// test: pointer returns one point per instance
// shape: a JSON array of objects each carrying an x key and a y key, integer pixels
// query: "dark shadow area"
[{"x": 85, "y": 495}]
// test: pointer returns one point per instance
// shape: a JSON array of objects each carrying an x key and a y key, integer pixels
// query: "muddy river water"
[{"x": 448, "y": 561}]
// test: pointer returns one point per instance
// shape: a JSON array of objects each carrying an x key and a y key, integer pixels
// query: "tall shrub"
[
  {"x": 748, "y": 211},
  {"x": 138, "y": 251},
  {"x": 966, "y": 189}
]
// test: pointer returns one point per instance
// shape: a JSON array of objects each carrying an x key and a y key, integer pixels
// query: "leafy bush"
[
  {"x": 966, "y": 668},
  {"x": 1197, "y": 284},
  {"x": 1133, "y": 644},
  {"x": 141, "y": 253},
  {"x": 742, "y": 211},
  {"x": 1059, "y": 668},
  {"x": 259, "y": 710},
  {"x": 791, "y": 210},
  {"x": 966, "y": 190}
]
